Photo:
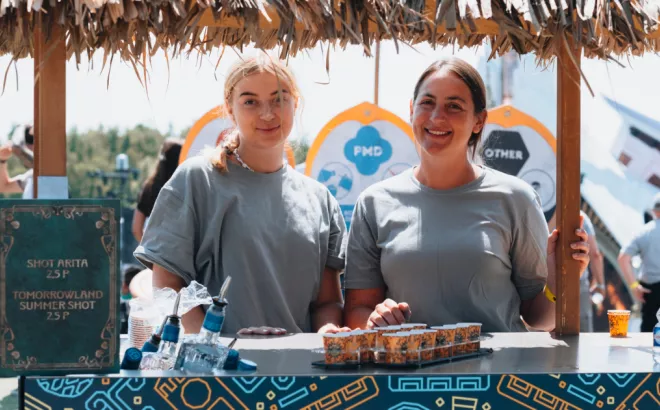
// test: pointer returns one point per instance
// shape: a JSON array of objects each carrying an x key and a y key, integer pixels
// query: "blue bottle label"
[
  {"x": 213, "y": 323},
  {"x": 656, "y": 336},
  {"x": 171, "y": 333}
]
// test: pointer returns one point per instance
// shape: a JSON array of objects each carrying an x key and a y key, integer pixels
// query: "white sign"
[
  {"x": 519, "y": 145},
  {"x": 357, "y": 148}
]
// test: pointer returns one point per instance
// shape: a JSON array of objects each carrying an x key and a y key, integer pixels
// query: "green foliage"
[
  {"x": 96, "y": 150},
  {"x": 300, "y": 149}
]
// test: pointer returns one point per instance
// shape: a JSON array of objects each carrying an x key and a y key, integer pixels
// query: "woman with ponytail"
[{"x": 241, "y": 211}]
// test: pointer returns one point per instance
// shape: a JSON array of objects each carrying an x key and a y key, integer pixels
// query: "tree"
[{"x": 300, "y": 149}]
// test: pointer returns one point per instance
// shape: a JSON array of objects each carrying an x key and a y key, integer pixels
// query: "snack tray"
[{"x": 412, "y": 365}]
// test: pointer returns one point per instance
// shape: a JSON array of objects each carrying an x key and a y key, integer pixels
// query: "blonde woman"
[{"x": 242, "y": 211}]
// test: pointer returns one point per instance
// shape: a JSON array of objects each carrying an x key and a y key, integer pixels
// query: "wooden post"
[
  {"x": 50, "y": 113},
  {"x": 568, "y": 190},
  {"x": 377, "y": 75}
]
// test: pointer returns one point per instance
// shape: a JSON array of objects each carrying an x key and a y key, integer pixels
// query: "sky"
[{"x": 178, "y": 97}]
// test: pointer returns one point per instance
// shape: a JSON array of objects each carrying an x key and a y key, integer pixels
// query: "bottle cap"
[
  {"x": 220, "y": 302},
  {"x": 151, "y": 345},
  {"x": 231, "y": 363},
  {"x": 246, "y": 365},
  {"x": 132, "y": 359}
]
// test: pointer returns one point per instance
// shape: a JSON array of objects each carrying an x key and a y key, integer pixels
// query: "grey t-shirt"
[
  {"x": 468, "y": 254},
  {"x": 273, "y": 233},
  {"x": 646, "y": 244}
]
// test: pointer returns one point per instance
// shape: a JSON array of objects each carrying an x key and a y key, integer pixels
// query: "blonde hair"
[{"x": 262, "y": 63}]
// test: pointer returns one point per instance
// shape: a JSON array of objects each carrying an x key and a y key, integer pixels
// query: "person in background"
[
  {"x": 168, "y": 161},
  {"x": 22, "y": 147},
  {"x": 128, "y": 274},
  {"x": 241, "y": 210},
  {"x": 451, "y": 241},
  {"x": 646, "y": 244},
  {"x": 648, "y": 217},
  {"x": 598, "y": 279}
]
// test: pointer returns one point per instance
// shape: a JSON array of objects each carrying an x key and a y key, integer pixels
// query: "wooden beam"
[
  {"x": 484, "y": 26},
  {"x": 568, "y": 190},
  {"x": 50, "y": 110},
  {"x": 36, "y": 126}
]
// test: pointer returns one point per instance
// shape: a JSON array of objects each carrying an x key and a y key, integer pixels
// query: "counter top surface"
[
  {"x": 523, "y": 353},
  {"x": 513, "y": 353}
]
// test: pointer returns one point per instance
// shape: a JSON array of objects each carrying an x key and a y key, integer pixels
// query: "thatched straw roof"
[{"x": 139, "y": 28}]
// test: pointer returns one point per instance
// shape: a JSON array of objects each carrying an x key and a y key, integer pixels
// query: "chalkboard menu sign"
[{"x": 59, "y": 286}]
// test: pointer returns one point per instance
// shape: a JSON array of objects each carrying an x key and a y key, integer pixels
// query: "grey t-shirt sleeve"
[
  {"x": 336, "y": 258},
  {"x": 169, "y": 239},
  {"x": 362, "y": 254},
  {"x": 529, "y": 251},
  {"x": 588, "y": 226},
  {"x": 634, "y": 247}
]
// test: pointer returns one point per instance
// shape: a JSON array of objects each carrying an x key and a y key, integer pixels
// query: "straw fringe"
[{"x": 132, "y": 28}]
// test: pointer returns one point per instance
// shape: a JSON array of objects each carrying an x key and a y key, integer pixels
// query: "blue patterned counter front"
[{"x": 414, "y": 392}]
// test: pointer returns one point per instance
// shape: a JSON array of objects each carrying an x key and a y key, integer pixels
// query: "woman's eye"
[
  {"x": 249, "y": 102},
  {"x": 426, "y": 102},
  {"x": 454, "y": 107}
]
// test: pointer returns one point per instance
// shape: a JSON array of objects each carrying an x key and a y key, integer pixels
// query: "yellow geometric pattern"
[
  {"x": 270, "y": 395},
  {"x": 173, "y": 390},
  {"x": 440, "y": 402},
  {"x": 636, "y": 398},
  {"x": 530, "y": 396},
  {"x": 33, "y": 403},
  {"x": 350, "y": 396},
  {"x": 458, "y": 402}
]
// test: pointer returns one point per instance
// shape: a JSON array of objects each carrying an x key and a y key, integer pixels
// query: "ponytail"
[{"x": 218, "y": 156}]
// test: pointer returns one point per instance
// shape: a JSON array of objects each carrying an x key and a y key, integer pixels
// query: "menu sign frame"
[{"x": 59, "y": 286}]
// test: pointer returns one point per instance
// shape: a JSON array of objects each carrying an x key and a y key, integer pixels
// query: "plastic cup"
[
  {"x": 413, "y": 326},
  {"x": 367, "y": 350},
  {"x": 335, "y": 346},
  {"x": 462, "y": 338},
  {"x": 618, "y": 320},
  {"x": 352, "y": 346},
  {"x": 427, "y": 346},
  {"x": 414, "y": 343},
  {"x": 395, "y": 347}
]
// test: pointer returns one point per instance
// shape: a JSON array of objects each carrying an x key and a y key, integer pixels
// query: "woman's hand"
[
  {"x": 580, "y": 249},
  {"x": 262, "y": 331},
  {"x": 389, "y": 313}
]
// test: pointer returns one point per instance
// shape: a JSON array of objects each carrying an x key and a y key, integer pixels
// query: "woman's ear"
[
  {"x": 411, "y": 110},
  {"x": 229, "y": 111},
  {"x": 482, "y": 117}
]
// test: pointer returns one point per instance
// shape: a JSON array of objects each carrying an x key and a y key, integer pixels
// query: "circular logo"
[
  {"x": 337, "y": 177},
  {"x": 543, "y": 184}
]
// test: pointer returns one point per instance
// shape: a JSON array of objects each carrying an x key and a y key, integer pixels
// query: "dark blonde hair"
[
  {"x": 470, "y": 76},
  {"x": 262, "y": 63}
]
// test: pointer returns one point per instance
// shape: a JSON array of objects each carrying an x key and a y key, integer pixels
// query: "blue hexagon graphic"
[
  {"x": 368, "y": 150},
  {"x": 406, "y": 405},
  {"x": 283, "y": 383}
]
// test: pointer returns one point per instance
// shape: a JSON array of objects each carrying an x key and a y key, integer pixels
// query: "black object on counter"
[{"x": 132, "y": 359}]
